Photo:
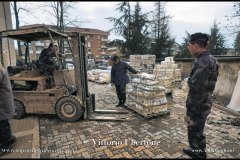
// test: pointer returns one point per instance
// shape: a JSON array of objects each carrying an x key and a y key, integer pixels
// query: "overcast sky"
[{"x": 187, "y": 16}]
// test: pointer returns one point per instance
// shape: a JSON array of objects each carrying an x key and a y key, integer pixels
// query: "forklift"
[{"x": 69, "y": 97}]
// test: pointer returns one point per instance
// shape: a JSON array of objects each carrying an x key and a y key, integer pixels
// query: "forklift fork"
[{"x": 91, "y": 111}]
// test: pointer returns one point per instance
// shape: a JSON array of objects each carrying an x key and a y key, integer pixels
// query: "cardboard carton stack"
[
  {"x": 147, "y": 96},
  {"x": 167, "y": 73},
  {"x": 143, "y": 63}
]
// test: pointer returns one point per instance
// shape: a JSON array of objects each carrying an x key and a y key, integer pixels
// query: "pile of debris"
[{"x": 99, "y": 76}]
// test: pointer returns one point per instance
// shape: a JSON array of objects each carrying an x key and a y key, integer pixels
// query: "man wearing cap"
[
  {"x": 46, "y": 61},
  {"x": 201, "y": 82},
  {"x": 120, "y": 78}
]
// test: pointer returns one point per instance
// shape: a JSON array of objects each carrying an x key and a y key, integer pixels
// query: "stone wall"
[
  {"x": 228, "y": 73},
  {"x": 7, "y": 54}
]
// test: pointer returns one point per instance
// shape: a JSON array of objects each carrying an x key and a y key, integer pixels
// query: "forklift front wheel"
[
  {"x": 19, "y": 109},
  {"x": 69, "y": 109}
]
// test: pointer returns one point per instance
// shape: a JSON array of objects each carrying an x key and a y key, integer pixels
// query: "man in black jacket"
[
  {"x": 47, "y": 64},
  {"x": 201, "y": 82},
  {"x": 120, "y": 78},
  {"x": 46, "y": 60}
]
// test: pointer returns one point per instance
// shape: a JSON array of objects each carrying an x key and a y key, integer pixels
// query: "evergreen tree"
[
  {"x": 237, "y": 44},
  {"x": 140, "y": 40},
  {"x": 162, "y": 42},
  {"x": 122, "y": 25},
  {"x": 133, "y": 28},
  {"x": 216, "y": 43},
  {"x": 184, "y": 53}
]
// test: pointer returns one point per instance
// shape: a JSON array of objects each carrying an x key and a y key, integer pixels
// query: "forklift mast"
[
  {"x": 80, "y": 69},
  {"x": 1, "y": 50},
  {"x": 79, "y": 58}
]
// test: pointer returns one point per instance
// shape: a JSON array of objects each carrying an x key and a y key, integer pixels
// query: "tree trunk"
[
  {"x": 17, "y": 27},
  {"x": 61, "y": 26}
]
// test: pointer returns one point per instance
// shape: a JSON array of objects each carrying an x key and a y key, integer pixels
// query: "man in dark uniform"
[
  {"x": 201, "y": 82},
  {"x": 6, "y": 112},
  {"x": 120, "y": 78},
  {"x": 46, "y": 61}
]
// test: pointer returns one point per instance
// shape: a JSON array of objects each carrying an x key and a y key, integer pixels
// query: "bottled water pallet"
[
  {"x": 148, "y": 111},
  {"x": 148, "y": 115}
]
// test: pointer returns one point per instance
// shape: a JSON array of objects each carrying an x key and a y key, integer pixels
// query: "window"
[{"x": 91, "y": 37}]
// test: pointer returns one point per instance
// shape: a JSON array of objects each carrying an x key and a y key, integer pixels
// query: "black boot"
[
  {"x": 6, "y": 137},
  {"x": 4, "y": 150},
  {"x": 7, "y": 148},
  {"x": 119, "y": 104},
  {"x": 123, "y": 99},
  {"x": 120, "y": 100},
  {"x": 123, "y": 102}
]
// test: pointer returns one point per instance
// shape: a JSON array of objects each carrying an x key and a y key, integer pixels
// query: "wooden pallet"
[{"x": 148, "y": 115}]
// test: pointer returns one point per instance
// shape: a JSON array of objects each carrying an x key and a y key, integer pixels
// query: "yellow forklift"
[{"x": 69, "y": 98}]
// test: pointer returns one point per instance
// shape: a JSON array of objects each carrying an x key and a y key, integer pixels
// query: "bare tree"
[
  {"x": 60, "y": 11},
  {"x": 17, "y": 9},
  {"x": 234, "y": 19}
]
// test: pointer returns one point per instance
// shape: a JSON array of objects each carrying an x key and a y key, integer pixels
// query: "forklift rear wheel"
[
  {"x": 19, "y": 110},
  {"x": 69, "y": 109}
]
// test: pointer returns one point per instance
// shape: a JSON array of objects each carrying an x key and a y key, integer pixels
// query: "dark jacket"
[
  {"x": 46, "y": 57},
  {"x": 202, "y": 81},
  {"x": 6, "y": 96},
  {"x": 119, "y": 73}
]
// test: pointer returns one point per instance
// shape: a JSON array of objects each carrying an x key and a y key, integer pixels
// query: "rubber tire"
[
  {"x": 20, "y": 111},
  {"x": 72, "y": 103}
]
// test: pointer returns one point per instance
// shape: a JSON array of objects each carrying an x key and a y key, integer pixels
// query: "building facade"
[{"x": 95, "y": 41}]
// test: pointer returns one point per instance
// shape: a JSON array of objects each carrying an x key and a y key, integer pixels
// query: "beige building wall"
[
  {"x": 227, "y": 78},
  {"x": 7, "y": 55}
]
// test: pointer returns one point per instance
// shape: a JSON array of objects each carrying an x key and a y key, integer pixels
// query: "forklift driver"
[{"x": 46, "y": 60}]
